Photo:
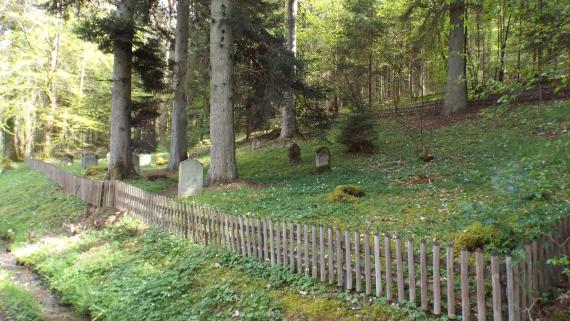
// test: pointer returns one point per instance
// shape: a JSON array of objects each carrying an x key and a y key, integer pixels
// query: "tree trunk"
[
  {"x": 9, "y": 141},
  {"x": 120, "y": 164},
  {"x": 179, "y": 143},
  {"x": 456, "y": 91},
  {"x": 223, "y": 166},
  {"x": 288, "y": 121}
]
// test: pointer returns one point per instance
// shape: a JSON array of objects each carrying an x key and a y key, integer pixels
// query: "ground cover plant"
[{"x": 126, "y": 271}]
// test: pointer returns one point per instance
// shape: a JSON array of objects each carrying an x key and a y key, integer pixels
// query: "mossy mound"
[
  {"x": 161, "y": 161},
  {"x": 92, "y": 171},
  {"x": 345, "y": 194},
  {"x": 478, "y": 236}
]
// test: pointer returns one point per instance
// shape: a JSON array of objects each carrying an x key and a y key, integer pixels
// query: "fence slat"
[
  {"x": 436, "y": 280},
  {"x": 348, "y": 260},
  {"x": 377, "y": 265},
  {"x": 322, "y": 266},
  {"x": 367, "y": 271},
  {"x": 271, "y": 244},
  {"x": 357, "y": 266},
  {"x": 339, "y": 263},
  {"x": 331, "y": 254},
  {"x": 313, "y": 251},
  {"x": 480, "y": 283},
  {"x": 464, "y": 265},
  {"x": 411, "y": 272},
  {"x": 388, "y": 258},
  {"x": 400, "y": 270},
  {"x": 496, "y": 285},
  {"x": 450, "y": 281},
  {"x": 423, "y": 276}
]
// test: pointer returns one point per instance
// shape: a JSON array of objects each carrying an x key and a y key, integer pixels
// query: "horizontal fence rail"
[
  {"x": 435, "y": 277},
  {"x": 544, "y": 93}
]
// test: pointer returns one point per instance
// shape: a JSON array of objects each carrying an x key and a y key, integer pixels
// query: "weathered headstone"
[
  {"x": 322, "y": 159},
  {"x": 108, "y": 158},
  {"x": 67, "y": 160},
  {"x": 145, "y": 159},
  {"x": 136, "y": 163},
  {"x": 190, "y": 178},
  {"x": 255, "y": 144},
  {"x": 294, "y": 153},
  {"x": 89, "y": 160}
]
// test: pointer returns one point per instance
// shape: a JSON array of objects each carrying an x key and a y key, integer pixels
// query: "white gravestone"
[
  {"x": 145, "y": 159},
  {"x": 255, "y": 144},
  {"x": 190, "y": 178},
  {"x": 323, "y": 159}
]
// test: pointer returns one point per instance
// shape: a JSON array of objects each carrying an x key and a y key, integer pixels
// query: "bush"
[
  {"x": 160, "y": 161},
  {"x": 477, "y": 235},
  {"x": 345, "y": 194},
  {"x": 359, "y": 132}
]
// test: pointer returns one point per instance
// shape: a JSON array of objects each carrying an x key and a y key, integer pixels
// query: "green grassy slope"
[{"x": 128, "y": 272}]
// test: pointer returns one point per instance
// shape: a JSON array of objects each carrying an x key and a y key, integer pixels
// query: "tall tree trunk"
[
  {"x": 120, "y": 164},
  {"x": 223, "y": 166},
  {"x": 52, "y": 92},
  {"x": 455, "y": 99},
  {"x": 288, "y": 121},
  {"x": 179, "y": 143},
  {"x": 9, "y": 140}
]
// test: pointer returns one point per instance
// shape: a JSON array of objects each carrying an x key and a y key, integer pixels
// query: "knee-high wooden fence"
[{"x": 435, "y": 277}]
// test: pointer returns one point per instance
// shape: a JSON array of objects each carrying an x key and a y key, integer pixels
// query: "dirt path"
[{"x": 52, "y": 308}]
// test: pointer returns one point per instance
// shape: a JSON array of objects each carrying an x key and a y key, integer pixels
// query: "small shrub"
[
  {"x": 345, "y": 194},
  {"x": 475, "y": 236},
  {"x": 359, "y": 132},
  {"x": 161, "y": 161}
]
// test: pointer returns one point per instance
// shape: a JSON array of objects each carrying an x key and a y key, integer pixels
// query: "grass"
[
  {"x": 508, "y": 169},
  {"x": 127, "y": 271},
  {"x": 16, "y": 301}
]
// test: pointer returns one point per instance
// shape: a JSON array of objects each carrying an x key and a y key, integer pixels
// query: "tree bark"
[
  {"x": 9, "y": 141},
  {"x": 120, "y": 164},
  {"x": 288, "y": 118},
  {"x": 223, "y": 166},
  {"x": 455, "y": 99},
  {"x": 179, "y": 143}
]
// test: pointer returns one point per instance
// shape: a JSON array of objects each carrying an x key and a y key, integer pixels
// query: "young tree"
[
  {"x": 288, "y": 121},
  {"x": 223, "y": 166},
  {"x": 9, "y": 140},
  {"x": 179, "y": 143},
  {"x": 455, "y": 99}
]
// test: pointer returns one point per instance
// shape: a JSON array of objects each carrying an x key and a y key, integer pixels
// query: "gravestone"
[
  {"x": 108, "y": 158},
  {"x": 322, "y": 159},
  {"x": 294, "y": 154},
  {"x": 89, "y": 160},
  {"x": 67, "y": 160},
  {"x": 255, "y": 144},
  {"x": 136, "y": 163},
  {"x": 145, "y": 159},
  {"x": 190, "y": 178}
]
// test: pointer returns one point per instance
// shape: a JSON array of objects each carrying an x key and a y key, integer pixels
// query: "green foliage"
[
  {"x": 359, "y": 132},
  {"x": 16, "y": 301}
]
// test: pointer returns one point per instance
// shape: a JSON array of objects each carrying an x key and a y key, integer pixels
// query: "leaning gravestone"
[
  {"x": 145, "y": 159},
  {"x": 190, "y": 178},
  {"x": 322, "y": 159},
  {"x": 89, "y": 160},
  {"x": 255, "y": 144},
  {"x": 67, "y": 160},
  {"x": 136, "y": 164},
  {"x": 294, "y": 154}
]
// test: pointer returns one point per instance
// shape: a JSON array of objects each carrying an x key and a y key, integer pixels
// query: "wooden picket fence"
[{"x": 474, "y": 285}]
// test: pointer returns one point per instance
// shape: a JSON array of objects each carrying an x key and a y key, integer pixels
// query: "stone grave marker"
[
  {"x": 294, "y": 153},
  {"x": 190, "y": 178},
  {"x": 137, "y": 163},
  {"x": 145, "y": 159},
  {"x": 67, "y": 160},
  {"x": 322, "y": 159},
  {"x": 255, "y": 144},
  {"x": 89, "y": 160}
]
